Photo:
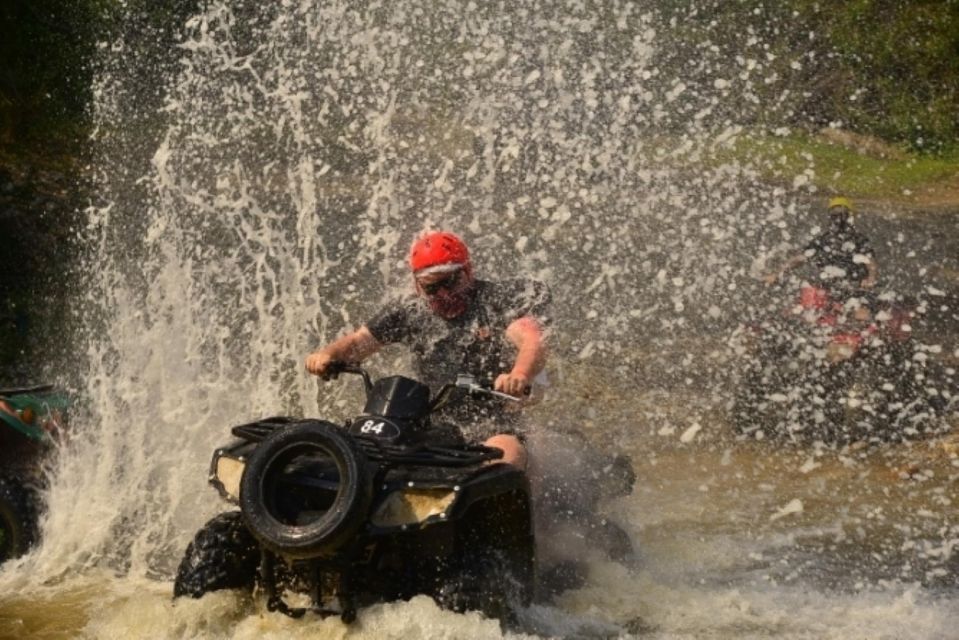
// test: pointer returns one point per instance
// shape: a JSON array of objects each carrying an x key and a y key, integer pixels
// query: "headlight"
[
  {"x": 228, "y": 473},
  {"x": 412, "y": 506}
]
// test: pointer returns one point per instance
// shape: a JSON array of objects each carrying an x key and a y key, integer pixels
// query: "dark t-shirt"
[
  {"x": 839, "y": 254},
  {"x": 472, "y": 343}
]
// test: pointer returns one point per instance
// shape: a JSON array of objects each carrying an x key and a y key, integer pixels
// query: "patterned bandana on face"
[{"x": 448, "y": 296}]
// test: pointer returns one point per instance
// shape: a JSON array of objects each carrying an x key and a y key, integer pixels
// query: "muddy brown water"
[{"x": 738, "y": 539}]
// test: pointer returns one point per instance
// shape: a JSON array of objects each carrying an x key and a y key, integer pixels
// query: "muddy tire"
[
  {"x": 19, "y": 513},
  {"x": 306, "y": 490},
  {"x": 488, "y": 586},
  {"x": 493, "y": 573},
  {"x": 223, "y": 555}
]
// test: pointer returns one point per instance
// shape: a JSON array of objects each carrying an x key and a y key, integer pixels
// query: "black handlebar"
[
  {"x": 337, "y": 367},
  {"x": 465, "y": 382}
]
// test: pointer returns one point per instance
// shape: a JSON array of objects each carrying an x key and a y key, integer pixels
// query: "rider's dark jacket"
[{"x": 839, "y": 255}]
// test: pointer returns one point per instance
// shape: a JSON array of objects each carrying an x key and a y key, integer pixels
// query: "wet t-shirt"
[
  {"x": 472, "y": 343},
  {"x": 839, "y": 256}
]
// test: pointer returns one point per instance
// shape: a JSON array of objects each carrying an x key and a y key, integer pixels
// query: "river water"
[{"x": 259, "y": 181}]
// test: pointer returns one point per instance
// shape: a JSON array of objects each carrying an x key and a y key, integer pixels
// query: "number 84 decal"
[{"x": 372, "y": 426}]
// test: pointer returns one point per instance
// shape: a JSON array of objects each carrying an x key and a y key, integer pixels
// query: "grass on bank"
[{"x": 853, "y": 165}]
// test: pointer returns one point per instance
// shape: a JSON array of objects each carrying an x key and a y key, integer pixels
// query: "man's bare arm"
[
  {"x": 353, "y": 347},
  {"x": 530, "y": 340}
]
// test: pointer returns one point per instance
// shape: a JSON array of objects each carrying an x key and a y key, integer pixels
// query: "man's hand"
[
  {"x": 515, "y": 384},
  {"x": 318, "y": 363},
  {"x": 353, "y": 348}
]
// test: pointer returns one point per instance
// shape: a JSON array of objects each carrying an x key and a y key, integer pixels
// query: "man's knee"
[{"x": 514, "y": 452}]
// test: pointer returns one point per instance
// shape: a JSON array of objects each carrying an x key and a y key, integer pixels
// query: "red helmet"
[{"x": 438, "y": 248}]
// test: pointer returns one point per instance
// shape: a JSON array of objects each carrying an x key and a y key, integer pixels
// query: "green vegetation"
[
  {"x": 46, "y": 79},
  {"x": 49, "y": 57},
  {"x": 841, "y": 168},
  {"x": 900, "y": 60},
  {"x": 886, "y": 68},
  {"x": 48, "y": 50}
]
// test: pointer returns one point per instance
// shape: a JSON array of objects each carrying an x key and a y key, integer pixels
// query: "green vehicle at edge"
[{"x": 31, "y": 419}]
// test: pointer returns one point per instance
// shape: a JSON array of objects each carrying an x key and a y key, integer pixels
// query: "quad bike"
[
  {"x": 389, "y": 506},
  {"x": 836, "y": 372},
  {"x": 30, "y": 420}
]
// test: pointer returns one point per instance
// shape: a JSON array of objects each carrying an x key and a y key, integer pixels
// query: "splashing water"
[{"x": 267, "y": 205}]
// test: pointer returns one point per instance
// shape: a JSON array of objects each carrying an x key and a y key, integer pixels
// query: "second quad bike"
[
  {"x": 838, "y": 372},
  {"x": 30, "y": 419}
]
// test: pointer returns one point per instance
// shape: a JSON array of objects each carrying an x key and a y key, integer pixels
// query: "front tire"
[
  {"x": 19, "y": 514},
  {"x": 223, "y": 555}
]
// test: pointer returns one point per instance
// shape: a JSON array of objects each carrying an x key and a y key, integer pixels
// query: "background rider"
[{"x": 842, "y": 256}]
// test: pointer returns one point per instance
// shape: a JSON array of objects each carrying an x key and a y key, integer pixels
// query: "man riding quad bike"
[
  {"x": 392, "y": 504},
  {"x": 30, "y": 420},
  {"x": 429, "y": 490},
  {"x": 839, "y": 365}
]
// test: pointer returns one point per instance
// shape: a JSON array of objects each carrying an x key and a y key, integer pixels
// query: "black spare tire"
[{"x": 306, "y": 490}]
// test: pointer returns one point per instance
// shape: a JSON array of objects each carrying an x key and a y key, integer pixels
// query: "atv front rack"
[
  {"x": 466, "y": 455},
  {"x": 261, "y": 429},
  {"x": 16, "y": 391},
  {"x": 419, "y": 454}
]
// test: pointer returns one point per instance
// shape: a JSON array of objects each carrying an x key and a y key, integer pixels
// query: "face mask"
[
  {"x": 448, "y": 297},
  {"x": 447, "y": 304},
  {"x": 839, "y": 217}
]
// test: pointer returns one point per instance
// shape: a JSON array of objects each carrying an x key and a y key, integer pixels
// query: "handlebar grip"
[{"x": 335, "y": 368}]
